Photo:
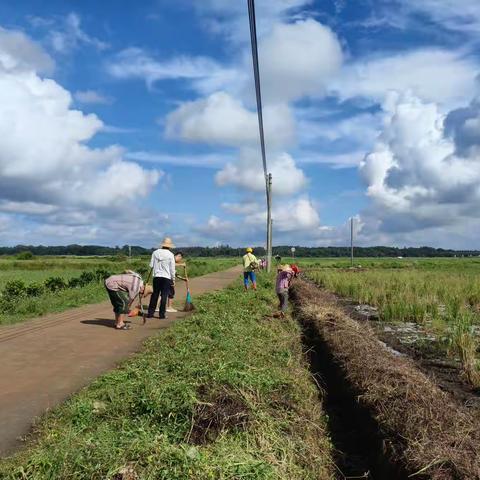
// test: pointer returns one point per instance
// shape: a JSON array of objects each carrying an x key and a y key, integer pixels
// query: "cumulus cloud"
[
  {"x": 44, "y": 156},
  {"x": 298, "y": 59},
  {"x": 18, "y": 53},
  {"x": 435, "y": 75},
  {"x": 292, "y": 216},
  {"x": 221, "y": 119},
  {"x": 247, "y": 173},
  {"x": 424, "y": 171},
  {"x": 216, "y": 228}
]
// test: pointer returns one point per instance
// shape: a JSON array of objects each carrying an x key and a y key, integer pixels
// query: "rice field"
[{"x": 440, "y": 295}]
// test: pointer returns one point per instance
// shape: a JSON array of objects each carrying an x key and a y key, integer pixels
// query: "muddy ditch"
[{"x": 387, "y": 419}]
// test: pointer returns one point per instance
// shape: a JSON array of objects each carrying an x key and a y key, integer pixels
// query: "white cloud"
[
  {"x": 230, "y": 18},
  {"x": 216, "y": 228},
  {"x": 245, "y": 208},
  {"x": 298, "y": 59},
  {"x": 420, "y": 175},
  {"x": 247, "y": 173},
  {"x": 221, "y": 119},
  {"x": 44, "y": 158},
  {"x": 91, "y": 97},
  {"x": 456, "y": 15},
  {"x": 70, "y": 35},
  {"x": 18, "y": 53},
  {"x": 135, "y": 63},
  {"x": 213, "y": 160},
  {"x": 433, "y": 74}
]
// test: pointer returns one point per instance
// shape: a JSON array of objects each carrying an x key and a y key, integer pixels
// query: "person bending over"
[{"x": 122, "y": 290}]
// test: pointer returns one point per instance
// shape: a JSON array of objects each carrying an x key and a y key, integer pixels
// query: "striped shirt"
[{"x": 126, "y": 282}]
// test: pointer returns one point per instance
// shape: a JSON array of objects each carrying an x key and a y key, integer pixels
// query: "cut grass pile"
[
  {"x": 223, "y": 394},
  {"x": 38, "y": 270},
  {"x": 425, "y": 433}
]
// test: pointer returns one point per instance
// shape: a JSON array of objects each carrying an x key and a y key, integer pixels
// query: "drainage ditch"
[{"x": 360, "y": 450}]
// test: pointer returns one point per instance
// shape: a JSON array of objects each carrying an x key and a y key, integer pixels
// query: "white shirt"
[{"x": 163, "y": 263}]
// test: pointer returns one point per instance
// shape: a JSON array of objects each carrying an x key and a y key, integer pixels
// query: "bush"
[
  {"x": 35, "y": 289},
  {"x": 55, "y": 283},
  {"x": 87, "y": 277},
  {"x": 25, "y": 255},
  {"x": 101, "y": 274},
  {"x": 74, "y": 282},
  {"x": 14, "y": 289}
]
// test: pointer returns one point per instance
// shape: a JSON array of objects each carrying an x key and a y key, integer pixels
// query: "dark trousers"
[{"x": 161, "y": 287}]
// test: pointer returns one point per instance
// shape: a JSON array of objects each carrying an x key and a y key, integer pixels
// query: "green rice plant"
[{"x": 462, "y": 339}]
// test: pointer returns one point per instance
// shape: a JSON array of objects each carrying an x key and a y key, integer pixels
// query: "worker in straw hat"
[
  {"x": 250, "y": 264},
  {"x": 163, "y": 267}
]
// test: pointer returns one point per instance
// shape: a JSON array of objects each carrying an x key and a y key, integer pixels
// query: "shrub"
[
  {"x": 14, "y": 288},
  {"x": 55, "y": 283},
  {"x": 87, "y": 277},
  {"x": 101, "y": 274},
  {"x": 25, "y": 255},
  {"x": 35, "y": 289},
  {"x": 74, "y": 282}
]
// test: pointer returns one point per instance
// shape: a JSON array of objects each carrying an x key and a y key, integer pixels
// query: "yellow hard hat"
[{"x": 249, "y": 250}]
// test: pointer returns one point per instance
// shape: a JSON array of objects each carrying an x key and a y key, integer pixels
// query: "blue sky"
[{"x": 121, "y": 125}]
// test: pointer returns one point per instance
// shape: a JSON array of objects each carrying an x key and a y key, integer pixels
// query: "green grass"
[
  {"x": 41, "y": 268},
  {"x": 149, "y": 414}
]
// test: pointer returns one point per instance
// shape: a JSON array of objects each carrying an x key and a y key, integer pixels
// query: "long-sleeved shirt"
[
  {"x": 163, "y": 263},
  {"x": 125, "y": 282},
  {"x": 283, "y": 281}
]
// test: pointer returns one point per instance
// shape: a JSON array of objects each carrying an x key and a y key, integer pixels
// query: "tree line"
[{"x": 227, "y": 251}]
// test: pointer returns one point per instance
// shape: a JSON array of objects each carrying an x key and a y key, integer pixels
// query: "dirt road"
[{"x": 45, "y": 360}]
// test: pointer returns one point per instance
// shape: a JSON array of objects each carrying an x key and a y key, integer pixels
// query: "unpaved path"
[{"x": 45, "y": 360}]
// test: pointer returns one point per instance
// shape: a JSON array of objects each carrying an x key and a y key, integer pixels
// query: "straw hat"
[
  {"x": 249, "y": 250},
  {"x": 167, "y": 243},
  {"x": 286, "y": 268}
]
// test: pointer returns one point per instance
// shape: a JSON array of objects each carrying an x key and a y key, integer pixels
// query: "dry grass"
[{"x": 427, "y": 434}]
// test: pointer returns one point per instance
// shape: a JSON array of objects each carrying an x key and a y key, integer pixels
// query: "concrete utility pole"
[
  {"x": 351, "y": 241},
  {"x": 258, "y": 92},
  {"x": 269, "y": 223}
]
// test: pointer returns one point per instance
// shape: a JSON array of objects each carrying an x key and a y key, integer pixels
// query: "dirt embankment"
[{"x": 410, "y": 426}]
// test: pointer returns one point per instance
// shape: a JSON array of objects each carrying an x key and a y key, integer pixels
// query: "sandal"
[{"x": 123, "y": 327}]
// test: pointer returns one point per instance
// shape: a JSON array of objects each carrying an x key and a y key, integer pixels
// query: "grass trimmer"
[{"x": 188, "y": 301}]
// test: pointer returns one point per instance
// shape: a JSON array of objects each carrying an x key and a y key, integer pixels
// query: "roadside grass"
[
  {"x": 38, "y": 270},
  {"x": 222, "y": 394}
]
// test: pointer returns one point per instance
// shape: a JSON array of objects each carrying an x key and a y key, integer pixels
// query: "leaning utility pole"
[
  {"x": 258, "y": 92},
  {"x": 351, "y": 241}
]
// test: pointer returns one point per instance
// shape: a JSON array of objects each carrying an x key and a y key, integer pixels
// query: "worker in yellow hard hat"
[{"x": 250, "y": 264}]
